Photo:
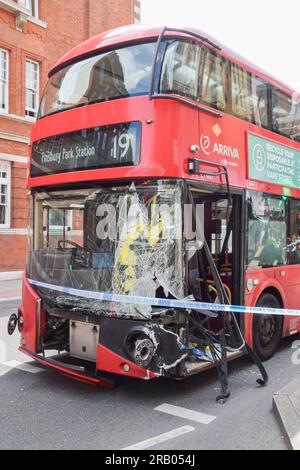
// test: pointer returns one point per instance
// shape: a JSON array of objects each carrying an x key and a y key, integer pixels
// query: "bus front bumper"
[
  {"x": 69, "y": 370},
  {"x": 110, "y": 363}
]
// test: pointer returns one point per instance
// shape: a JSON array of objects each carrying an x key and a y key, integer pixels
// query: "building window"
[
  {"x": 4, "y": 194},
  {"x": 32, "y": 88},
  {"x": 33, "y": 7},
  {"x": 3, "y": 80}
]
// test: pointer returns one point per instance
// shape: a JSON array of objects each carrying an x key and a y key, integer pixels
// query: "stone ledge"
[
  {"x": 14, "y": 7},
  {"x": 286, "y": 404}
]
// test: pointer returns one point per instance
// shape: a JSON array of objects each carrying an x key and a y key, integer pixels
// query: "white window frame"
[
  {"x": 33, "y": 7},
  {"x": 5, "y": 109},
  {"x": 30, "y": 111},
  {"x": 6, "y": 181}
]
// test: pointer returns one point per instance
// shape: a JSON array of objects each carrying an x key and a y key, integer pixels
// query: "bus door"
[{"x": 222, "y": 228}]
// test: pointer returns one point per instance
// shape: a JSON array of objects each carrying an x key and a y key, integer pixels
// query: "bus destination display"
[{"x": 100, "y": 147}]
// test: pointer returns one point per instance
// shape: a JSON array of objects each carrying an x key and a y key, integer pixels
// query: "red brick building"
[{"x": 33, "y": 35}]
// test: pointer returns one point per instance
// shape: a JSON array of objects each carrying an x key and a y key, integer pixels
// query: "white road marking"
[
  {"x": 23, "y": 366},
  {"x": 153, "y": 441},
  {"x": 185, "y": 413}
]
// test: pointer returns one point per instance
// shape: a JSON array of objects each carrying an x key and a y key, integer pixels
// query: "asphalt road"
[{"x": 40, "y": 409}]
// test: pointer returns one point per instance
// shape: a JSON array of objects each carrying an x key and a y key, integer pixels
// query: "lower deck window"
[{"x": 267, "y": 231}]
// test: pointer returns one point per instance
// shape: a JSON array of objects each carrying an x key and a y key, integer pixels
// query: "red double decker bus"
[{"x": 164, "y": 170}]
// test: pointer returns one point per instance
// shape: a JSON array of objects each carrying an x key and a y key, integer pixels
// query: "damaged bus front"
[{"x": 93, "y": 249}]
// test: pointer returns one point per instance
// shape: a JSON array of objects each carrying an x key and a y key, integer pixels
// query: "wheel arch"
[
  {"x": 272, "y": 289},
  {"x": 267, "y": 329}
]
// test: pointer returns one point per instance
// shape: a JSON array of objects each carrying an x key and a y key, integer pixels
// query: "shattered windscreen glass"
[{"x": 123, "y": 240}]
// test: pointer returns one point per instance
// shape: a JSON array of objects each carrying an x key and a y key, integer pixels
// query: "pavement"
[
  {"x": 286, "y": 404},
  {"x": 10, "y": 290}
]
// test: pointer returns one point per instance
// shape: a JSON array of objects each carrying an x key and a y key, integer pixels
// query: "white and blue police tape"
[{"x": 166, "y": 303}]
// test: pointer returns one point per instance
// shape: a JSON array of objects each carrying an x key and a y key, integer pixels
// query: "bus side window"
[
  {"x": 180, "y": 69},
  {"x": 249, "y": 96},
  {"x": 285, "y": 115},
  {"x": 293, "y": 245},
  {"x": 260, "y": 102},
  {"x": 267, "y": 231},
  {"x": 241, "y": 89},
  {"x": 213, "y": 81},
  {"x": 296, "y": 131}
]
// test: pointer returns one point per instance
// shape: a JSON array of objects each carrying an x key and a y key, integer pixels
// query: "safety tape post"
[{"x": 166, "y": 303}]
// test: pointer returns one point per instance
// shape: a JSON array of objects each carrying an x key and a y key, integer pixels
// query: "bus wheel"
[{"x": 266, "y": 329}]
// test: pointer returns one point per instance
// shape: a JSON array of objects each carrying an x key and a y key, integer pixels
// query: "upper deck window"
[
  {"x": 191, "y": 70},
  {"x": 249, "y": 96},
  {"x": 180, "y": 69},
  {"x": 285, "y": 115},
  {"x": 115, "y": 74},
  {"x": 213, "y": 80}
]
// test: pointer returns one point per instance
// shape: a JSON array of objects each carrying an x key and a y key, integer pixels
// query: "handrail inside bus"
[{"x": 153, "y": 94}]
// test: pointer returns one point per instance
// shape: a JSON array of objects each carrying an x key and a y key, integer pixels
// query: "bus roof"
[{"x": 137, "y": 33}]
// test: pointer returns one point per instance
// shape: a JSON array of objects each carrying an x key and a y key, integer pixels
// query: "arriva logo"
[
  {"x": 205, "y": 144},
  {"x": 218, "y": 149}
]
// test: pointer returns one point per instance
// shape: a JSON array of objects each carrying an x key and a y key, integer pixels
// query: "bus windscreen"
[
  {"x": 114, "y": 74},
  {"x": 121, "y": 240}
]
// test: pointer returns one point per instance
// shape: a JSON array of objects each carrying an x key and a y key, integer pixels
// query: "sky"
[{"x": 266, "y": 32}]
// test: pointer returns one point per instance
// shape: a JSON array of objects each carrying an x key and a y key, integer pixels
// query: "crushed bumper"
[{"x": 72, "y": 371}]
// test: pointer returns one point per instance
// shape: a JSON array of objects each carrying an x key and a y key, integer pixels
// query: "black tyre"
[{"x": 266, "y": 329}]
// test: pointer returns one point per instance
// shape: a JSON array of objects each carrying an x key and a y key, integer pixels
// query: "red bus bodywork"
[{"x": 169, "y": 130}]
